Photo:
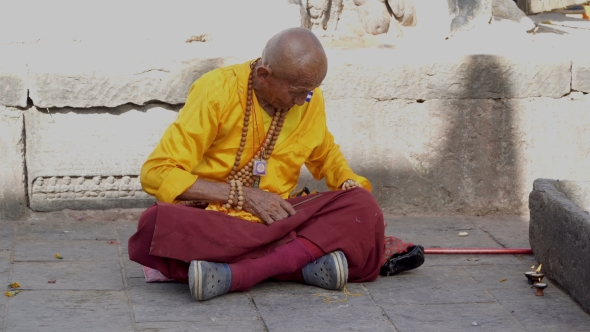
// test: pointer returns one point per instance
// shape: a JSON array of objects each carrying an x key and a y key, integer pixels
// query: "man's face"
[{"x": 284, "y": 95}]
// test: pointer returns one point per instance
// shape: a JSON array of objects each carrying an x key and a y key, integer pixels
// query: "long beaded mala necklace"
[{"x": 249, "y": 175}]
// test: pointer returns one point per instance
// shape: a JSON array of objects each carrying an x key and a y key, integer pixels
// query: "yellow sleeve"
[
  {"x": 327, "y": 161},
  {"x": 167, "y": 172}
]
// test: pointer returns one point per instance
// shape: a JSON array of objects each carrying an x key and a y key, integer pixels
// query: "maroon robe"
[{"x": 170, "y": 236}]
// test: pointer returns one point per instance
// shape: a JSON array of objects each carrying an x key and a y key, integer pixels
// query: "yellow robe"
[{"x": 204, "y": 140}]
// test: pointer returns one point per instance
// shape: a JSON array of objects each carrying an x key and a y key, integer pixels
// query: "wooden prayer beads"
[
  {"x": 235, "y": 198},
  {"x": 245, "y": 175}
]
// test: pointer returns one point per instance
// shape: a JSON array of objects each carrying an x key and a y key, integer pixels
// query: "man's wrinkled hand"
[
  {"x": 267, "y": 206},
  {"x": 349, "y": 184}
]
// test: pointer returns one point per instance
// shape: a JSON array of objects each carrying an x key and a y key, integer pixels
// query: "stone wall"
[
  {"x": 451, "y": 132},
  {"x": 437, "y": 128}
]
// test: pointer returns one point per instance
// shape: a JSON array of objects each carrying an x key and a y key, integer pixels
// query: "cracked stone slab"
[
  {"x": 270, "y": 287},
  {"x": 552, "y": 312},
  {"x": 509, "y": 231},
  {"x": 132, "y": 269},
  {"x": 472, "y": 260},
  {"x": 209, "y": 326},
  {"x": 4, "y": 267},
  {"x": 6, "y": 234},
  {"x": 428, "y": 285},
  {"x": 4, "y": 280},
  {"x": 125, "y": 231},
  {"x": 64, "y": 230},
  {"x": 150, "y": 298},
  {"x": 72, "y": 250},
  {"x": 306, "y": 312},
  {"x": 116, "y": 78},
  {"x": 445, "y": 75},
  {"x": 69, "y": 311},
  {"x": 452, "y": 317},
  {"x": 491, "y": 276},
  {"x": 212, "y": 326},
  {"x": 438, "y": 231},
  {"x": 73, "y": 275}
]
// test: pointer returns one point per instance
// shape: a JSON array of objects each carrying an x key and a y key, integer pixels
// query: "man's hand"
[
  {"x": 348, "y": 184},
  {"x": 267, "y": 206}
]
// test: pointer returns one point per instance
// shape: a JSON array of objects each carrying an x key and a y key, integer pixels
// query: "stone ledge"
[
  {"x": 581, "y": 74},
  {"x": 389, "y": 74},
  {"x": 13, "y": 80},
  {"x": 559, "y": 234},
  {"x": 85, "y": 76}
]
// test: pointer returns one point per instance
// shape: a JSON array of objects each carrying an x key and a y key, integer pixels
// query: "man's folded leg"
[
  {"x": 350, "y": 222},
  {"x": 139, "y": 249},
  {"x": 208, "y": 279}
]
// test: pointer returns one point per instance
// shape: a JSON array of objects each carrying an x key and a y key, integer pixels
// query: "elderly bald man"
[{"x": 237, "y": 146}]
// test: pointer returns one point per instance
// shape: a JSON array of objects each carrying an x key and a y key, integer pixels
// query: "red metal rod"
[{"x": 492, "y": 251}]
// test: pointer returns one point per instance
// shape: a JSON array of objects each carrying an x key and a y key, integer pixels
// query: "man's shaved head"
[
  {"x": 295, "y": 54},
  {"x": 293, "y": 63}
]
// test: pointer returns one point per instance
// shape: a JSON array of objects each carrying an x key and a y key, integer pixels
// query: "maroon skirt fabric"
[{"x": 170, "y": 236}]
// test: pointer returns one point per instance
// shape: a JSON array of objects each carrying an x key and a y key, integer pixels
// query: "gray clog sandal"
[
  {"x": 329, "y": 271},
  {"x": 208, "y": 280}
]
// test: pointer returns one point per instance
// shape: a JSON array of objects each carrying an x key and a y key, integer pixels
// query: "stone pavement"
[{"x": 97, "y": 288}]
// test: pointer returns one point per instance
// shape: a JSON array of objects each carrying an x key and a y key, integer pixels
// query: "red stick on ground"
[{"x": 491, "y": 251}]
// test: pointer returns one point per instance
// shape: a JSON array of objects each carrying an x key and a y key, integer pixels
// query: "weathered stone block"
[
  {"x": 91, "y": 159},
  {"x": 13, "y": 78},
  {"x": 471, "y": 156},
  {"x": 559, "y": 234},
  {"x": 13, "y": 199},
  {"x": 384, "y": 74},
  {"x": 78, "y": 78},
  {"x": 581, "y": 73}
]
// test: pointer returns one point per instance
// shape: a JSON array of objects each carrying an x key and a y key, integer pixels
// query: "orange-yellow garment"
[{"x": 204, "y": 140}]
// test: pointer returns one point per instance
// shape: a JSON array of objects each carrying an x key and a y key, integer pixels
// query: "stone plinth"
[
  {"x": 12, "y": 164},
  {"x": 560, "y": 238},
  {"x": 85, "y": 193},
  {"x": 90, "y": 146}
]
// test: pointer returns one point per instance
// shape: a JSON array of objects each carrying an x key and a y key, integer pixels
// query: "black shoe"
[{"x": 409, "y": 260}]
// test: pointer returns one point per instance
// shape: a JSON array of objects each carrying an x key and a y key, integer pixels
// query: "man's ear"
[{"x": 263, "y": 72}]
